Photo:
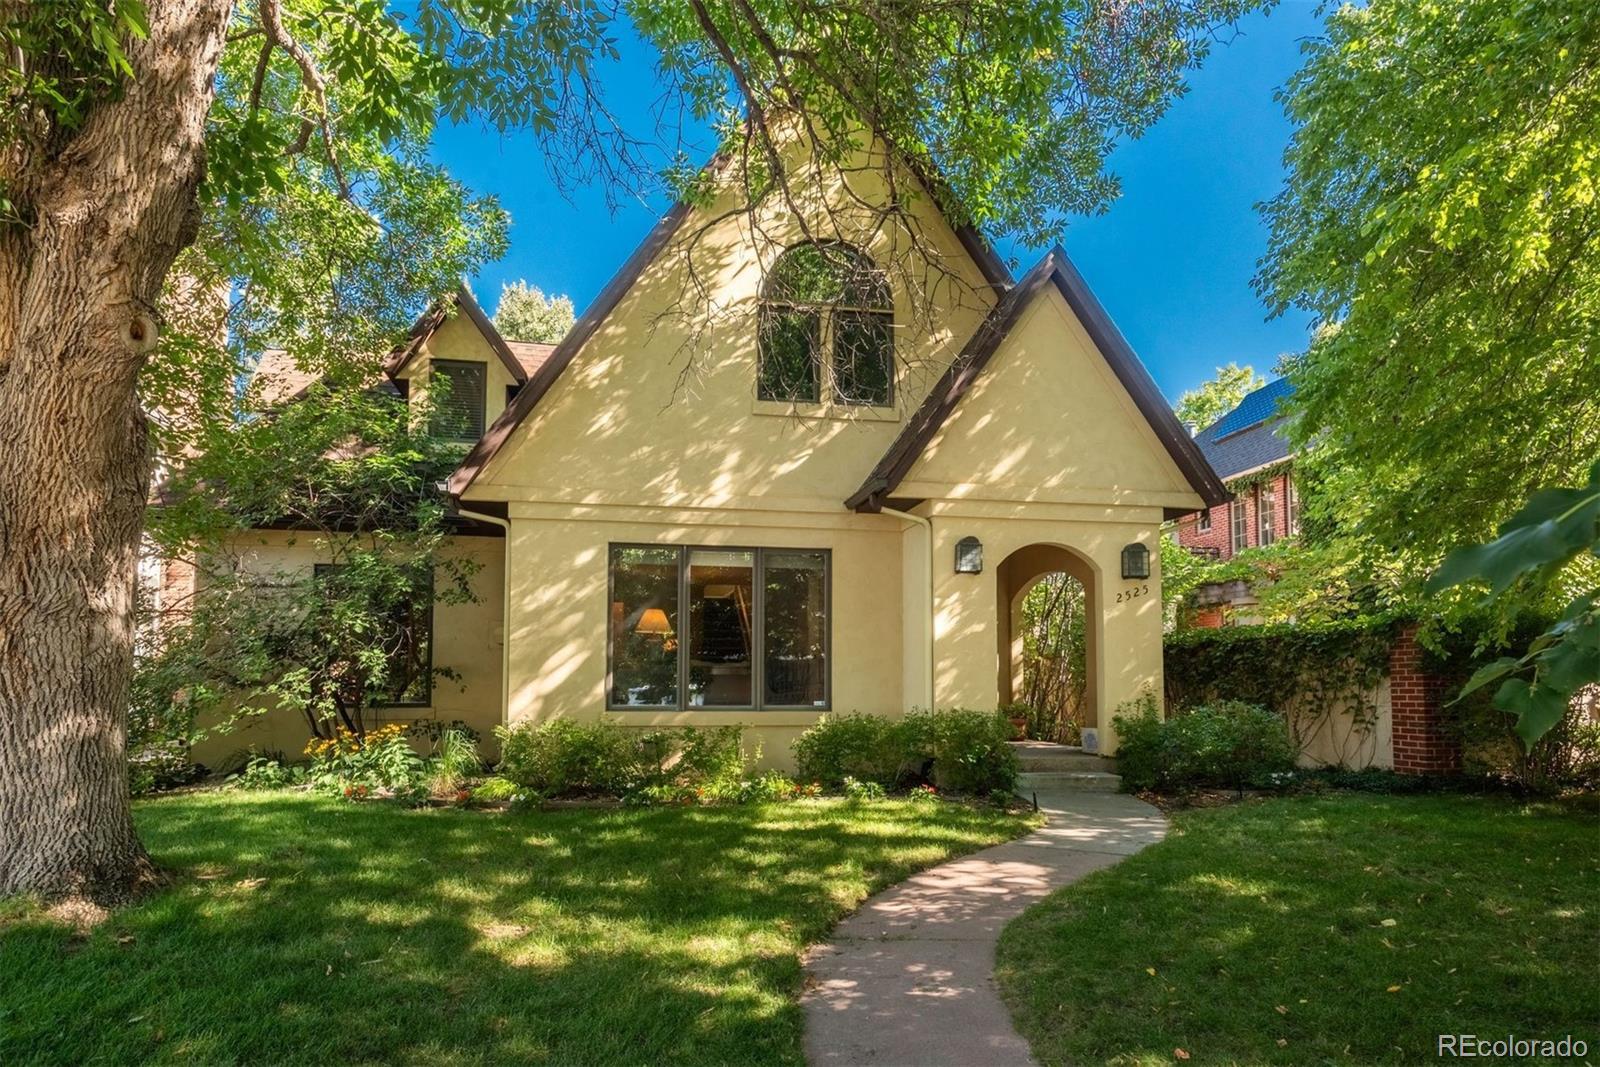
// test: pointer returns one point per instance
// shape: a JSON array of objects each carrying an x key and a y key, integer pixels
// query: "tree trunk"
[{"x": 111, "y": 204}]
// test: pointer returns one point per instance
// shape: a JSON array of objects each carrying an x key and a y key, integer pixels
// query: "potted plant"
[{"x": 1018, "y": 715}]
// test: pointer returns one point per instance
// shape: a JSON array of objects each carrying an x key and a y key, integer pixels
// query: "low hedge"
[
  {"x": 1283, "y": 667},
  {"x": 958, "y": 749},
  {"x": 562, "y": 757},
  {"x": 1229, "y": 743}
]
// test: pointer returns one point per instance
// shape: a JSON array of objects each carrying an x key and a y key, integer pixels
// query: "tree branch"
[{"x": 272, "y": 23}]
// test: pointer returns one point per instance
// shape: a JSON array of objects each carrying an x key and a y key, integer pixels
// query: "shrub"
[
  {"x": 267, "y": 772},
  {"x": 970, "y": 750},
  {"x": 713, "y": 758},
  {"x": 857, "y": 790},
  {"x": 964, "y": 751},
  {"x": 869, "y": 748},
  {"x": 158, "y": 764},
  {"x": 1228, "y": 743},
  {"x": 564, "y": 758},
  {"x": 495, "y": 791},
  {"x": 355, "y": 766},
  {"x": 769, "y": 787},
  {"x": 1376, "y": 780}
]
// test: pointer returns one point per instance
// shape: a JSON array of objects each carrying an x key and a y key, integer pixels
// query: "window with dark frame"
[
  {"x": 1239, "y": 528},
  {"x": 458, "y": 408},
  {"x": 1205, "y": 521},
  {"x": 712, "y": 627},
  {"x": 408, "y": 645},
  {"x": 826, "y": 297}
]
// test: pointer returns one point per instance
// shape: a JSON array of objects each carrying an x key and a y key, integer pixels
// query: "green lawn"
[
  {"x": 1340, "y": 928},
  {"x": 308, "y": 930}
]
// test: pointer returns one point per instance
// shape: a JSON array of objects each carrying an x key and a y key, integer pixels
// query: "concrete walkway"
[{"x": 909, "y": 979}]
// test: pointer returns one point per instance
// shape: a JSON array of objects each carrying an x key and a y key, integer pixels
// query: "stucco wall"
[
  {"x": 660, "y": 406},
  {"x": 560, "y": 610},
  {"x": 467, "y": 639},
  {"x": 1344, "y": 737}
]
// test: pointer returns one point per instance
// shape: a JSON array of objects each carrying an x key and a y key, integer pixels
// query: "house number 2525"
[{"x": 1133, "y": 594}]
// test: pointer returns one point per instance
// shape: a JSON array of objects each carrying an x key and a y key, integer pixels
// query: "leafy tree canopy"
[
  {"x": 1441, "y": 219},
  {"x": 526, "y": 314},
  {"x": 323, "y": 228},
  {"x": 1214, "y": 398}
]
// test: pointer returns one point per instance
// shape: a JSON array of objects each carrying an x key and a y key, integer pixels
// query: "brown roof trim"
[
  {"x": 1055, "y": 268},
  {"x": 436, "y": 315}
]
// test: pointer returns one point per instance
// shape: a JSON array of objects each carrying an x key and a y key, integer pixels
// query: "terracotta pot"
[{"x": 1019, "y": 728}]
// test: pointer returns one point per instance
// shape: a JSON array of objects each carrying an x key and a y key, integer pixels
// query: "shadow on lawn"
[{"x": 305, "y": 930}]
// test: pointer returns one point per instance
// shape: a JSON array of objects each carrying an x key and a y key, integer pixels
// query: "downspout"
[
  {"x": 505, "y": 609},
  {"x": 927, "y": 618}
]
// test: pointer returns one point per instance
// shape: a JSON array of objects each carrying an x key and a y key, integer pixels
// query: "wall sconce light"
[
  {"x": 1135, "y": 561},
  {"x": 969, "y": 556}
]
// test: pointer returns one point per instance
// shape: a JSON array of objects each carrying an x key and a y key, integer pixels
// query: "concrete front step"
[
  {"x": 1044, "y": 756},
  {"x": 1077, "y": 781},
  {"x": 1075, "y": 760}
]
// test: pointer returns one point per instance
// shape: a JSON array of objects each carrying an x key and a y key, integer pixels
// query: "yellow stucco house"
[{"x": 824, "y": 484}]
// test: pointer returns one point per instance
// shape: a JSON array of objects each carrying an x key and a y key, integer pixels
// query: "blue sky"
[{"x": 1172, "y": 259}]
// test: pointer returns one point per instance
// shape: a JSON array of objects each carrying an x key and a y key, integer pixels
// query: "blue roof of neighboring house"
[{"x": 1250, "y": 436}]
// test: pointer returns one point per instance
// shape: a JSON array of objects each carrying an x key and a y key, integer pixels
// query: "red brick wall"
[
  {"x": 1421, "y": 745},
  {"x": 175, "y": 595},
  {"x": 1220, "y": 537},
  {"x": 1190, "y": 535}
]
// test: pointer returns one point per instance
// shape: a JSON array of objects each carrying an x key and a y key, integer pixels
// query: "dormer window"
[
  {"x": 827, "y": 323},
  {"x": 458, "y": 407}
]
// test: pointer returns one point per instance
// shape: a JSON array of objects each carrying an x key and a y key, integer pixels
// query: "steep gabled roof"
[
  {"x": 1054, "y": 269},
  {"x": 1252, "y": 435},
  {"x": 436, "y": 316},
  {"x": 528, "y": 397}
]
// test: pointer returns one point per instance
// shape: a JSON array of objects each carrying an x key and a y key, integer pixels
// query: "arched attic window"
[{"x": 827, "y": 322}]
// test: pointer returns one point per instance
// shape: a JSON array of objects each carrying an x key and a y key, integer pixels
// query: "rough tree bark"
[{"x": 109, "y": 207}]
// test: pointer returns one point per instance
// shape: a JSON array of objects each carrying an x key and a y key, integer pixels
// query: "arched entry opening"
[{"x": 1049, "y": 630}]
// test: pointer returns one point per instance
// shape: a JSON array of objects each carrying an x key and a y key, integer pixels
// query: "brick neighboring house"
[
  {"x": 1245, "y": 443},
  {"x": 1249, "y": 449}
]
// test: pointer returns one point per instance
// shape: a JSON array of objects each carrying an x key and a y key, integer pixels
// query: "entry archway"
[{"x": 1019, "y": 574}]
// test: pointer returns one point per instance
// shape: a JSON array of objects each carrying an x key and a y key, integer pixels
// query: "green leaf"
[
  {"x": 1537, "y": 708},
  {"x": 1490, "y": 672},
  {"x": 1554, "y": 525}
]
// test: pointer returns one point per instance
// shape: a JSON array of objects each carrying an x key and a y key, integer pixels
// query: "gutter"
[
  {"x": 505, "y": 608},
  {"x": 927, "y": 617}
]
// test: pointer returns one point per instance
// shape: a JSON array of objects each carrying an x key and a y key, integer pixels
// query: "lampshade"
[{"x": 653, "y": 621}]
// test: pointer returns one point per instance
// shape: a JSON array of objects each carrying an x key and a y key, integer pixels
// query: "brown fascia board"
[
  {"x": 430, "y": 320},
  {"x": 983, "y": 254},
  {"x": 1055, "y": 268}
]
